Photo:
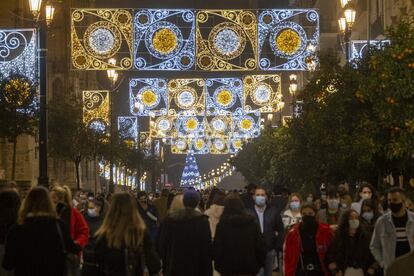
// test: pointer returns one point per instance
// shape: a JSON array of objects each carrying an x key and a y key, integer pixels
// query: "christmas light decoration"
[
  {"x": 224, "y": 96},
  {"x": 110, "y": 35},
  {"x": 262, "y": 93},
  {"x": 128, "y": 128},
  {"x": 191, "y": 174},
  {"x": 96, "y": 110},
  {"x": 283, "y": 44},
  {"x": 18, "y": 53},
  {"x": 164, "y": 39},
  {"x": 186, "y": 97},
  {"x": 148, "y": 97},
  {"x": 359, "y": 48}
]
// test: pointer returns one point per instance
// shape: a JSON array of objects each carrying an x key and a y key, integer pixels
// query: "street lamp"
[
  {"x": 345, "y": 26},
  {"x": 41, "y": 26},
  {"x": 342, "y": 24},
  {"x": 293, "y": 87},
  {"x": 113, "y": 77},
  {"x": 344, "y": 2}
]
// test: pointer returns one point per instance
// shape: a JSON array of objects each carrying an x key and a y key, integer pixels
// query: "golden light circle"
[
  {"x": 149, "y": 98},
  {"x": 16, "y": 92},
  {"x": 191, "y": 124},
  {"x": 224, "y": 97},
  {"x": 246, "y": 124},
  {"x": 237, "y": 144},
  {"x": 199, "y": 144},
  {"x": 288, "y": 41},
  {"x": 164, "y": 41}
]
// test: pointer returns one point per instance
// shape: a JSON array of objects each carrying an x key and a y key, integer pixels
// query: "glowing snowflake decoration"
[
  {"x": 186, "y": 99},
  {"x": 262, "y": 94},
  {"x": 102, "y": 41},
  {"x": 227, "y": 41}
]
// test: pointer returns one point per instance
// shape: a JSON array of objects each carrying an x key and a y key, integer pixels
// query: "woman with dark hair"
[
  {"x": 349, "y": 252},
  {"x": 38, "y": 243},
  {"x": 9, "y": 208},
  {"x": 365, "y": 191},
  {"x": 239, "y": 248},
  {"x": 369, "y": 215},
  {"x": 215, "y": 210}
]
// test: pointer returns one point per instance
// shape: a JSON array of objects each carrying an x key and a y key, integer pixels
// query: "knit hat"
[{"x": 191, "y": 198}]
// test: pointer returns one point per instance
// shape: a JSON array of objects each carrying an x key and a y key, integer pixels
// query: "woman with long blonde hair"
[
  {"x": 123, "y": 242},
  {"x": 38, "y": 243},
  {"x": 79, "y": 230}
]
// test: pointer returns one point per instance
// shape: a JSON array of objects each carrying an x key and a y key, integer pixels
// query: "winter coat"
[
  {"x": 293, "y": 247},
  {"x": 239, "y": 247},
  {"x": 111, "y": 261},
  {"x": 79, "y": 230},
  {"x": 150, "y": 217},
  {"x": 34, "y": 248},
  {"x": 347, "y": 251},
  {"x": 185, "y": 244},
  {"x": 402, "y": 266},
  {"x": 214, "y": 214},
  {"x": 272, "y": 223}
]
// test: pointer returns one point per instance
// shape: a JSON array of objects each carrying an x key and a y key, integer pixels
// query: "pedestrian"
[
  {"x": 9, "y": 208},
  {"x": 239, "y": 247},
  {"x": 402, "y": 266},
  {"x": 185, "y": 240},
  {"x": 38, "y": 244},
  {"x": 369, "y": 215},
  {"x": 247, "y": 197},
  {"x": 161, "y": 204},
  {"x": 148, "y": 213},
  {"x": 291, "y": 214},
  {"x": 349, "y": 252},
  {"x": 176, "y": 204},
  {"x": 306, "y": 245},
  {"x": 215, "y": 211},
  {"x": 123, "y": 246},
  {"x": 393, "y": 230},
  {"x": 271, "y": 226},
  {"x": 331, "y": 214},
  {"x": 365, "y": 191}
]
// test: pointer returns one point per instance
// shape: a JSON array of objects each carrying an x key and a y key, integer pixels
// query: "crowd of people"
[{"x": 185, "y": 232}]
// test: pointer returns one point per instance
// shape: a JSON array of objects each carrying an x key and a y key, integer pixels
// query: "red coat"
[
  {"x": 79, "y": 230},
  {"x": 293, "y": 245}
]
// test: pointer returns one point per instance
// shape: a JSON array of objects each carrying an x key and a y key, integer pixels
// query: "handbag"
[{"x": 72, "y": 261}]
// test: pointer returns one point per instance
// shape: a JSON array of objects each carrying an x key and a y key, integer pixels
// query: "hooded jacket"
[{"x": 185, "y": 244}]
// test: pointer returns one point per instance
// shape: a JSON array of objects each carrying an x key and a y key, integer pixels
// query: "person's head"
[
  {"x": 251, "y": 188},
  {"x": 142, "y": 198},
  {"x": 346, "y": 201},
  {"x": 396, "y": 200},
  {"x": 343, "y": 189},
  {"x": 294, "y": 202},
  {"x": 176, "y": 204},
  {"x": 332, "y": 199},
  {"x": 122, "y": 226},
  {"x": 219, "y": 198},
  {"x": 233, "y": 205},
  {"x": 260, "y": 197},
  {"x": 309, "y": 215},
  {"x": 369, "y": 210},
  {"x": 151, "y": 197},
  {"x": 191, "y": 198},
  {"x": 173, "y": 191},
  {"x": 165, "y": 192},
  {"x": 318, "y": 203},
  {"x": 348, "y": 222},
  {"x": 94, "y": 208},
  {"x": 310, "y": 198},
  {"x": 61, "y": 194},
  {"x": 9, "y": 206},
  {"x": 37, "y": 203},
  {"x": 366, "y": 191}
]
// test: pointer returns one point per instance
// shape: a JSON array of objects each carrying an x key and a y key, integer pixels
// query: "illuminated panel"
[
  {"x": 18, "y": 53},
  {"x": 96, "y": 110},
  {"x": 200, "y": 145},
  {"x": 219, "y": 145},
  {"x": 224, "y": 96},
  {"x": 163, "y": 127},
  {"x": 164, "y": 39},
  {"x": 180, "y": 145},
  {"x": 191, "y": 126},
  {"x": 246, "y": 125},
  {"x": 226, "y": 40},
  {"x": 128, "y": 128},
  {"x": 288, "y": 39},
  {"x": 98, "y": 35},
  {"x": 262, "y": 93},
  {"x": 186, "y": 97},
  {"x": 218, "y": 126},
  {"x": 148, "y": 97},
  {"x": 359, "y": 48}
]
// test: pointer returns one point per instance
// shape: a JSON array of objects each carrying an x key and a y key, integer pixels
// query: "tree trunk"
[
  {"x": 13, "y": 176},
  {"x": 77, "y": 163}
]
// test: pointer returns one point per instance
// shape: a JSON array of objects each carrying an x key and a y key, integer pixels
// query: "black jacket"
[
  {"x": 111, "y": 261},
  {"x": 272, "y": 224},
  {"x": 239, "y": 247},
  {"x": 185, "y": 244},
  {"x": 35, "y": 248}
]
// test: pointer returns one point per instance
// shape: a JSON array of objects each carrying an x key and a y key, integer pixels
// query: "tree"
[
  {"x": 18, "y": 110},
  {"x": 69, "y": 138}
]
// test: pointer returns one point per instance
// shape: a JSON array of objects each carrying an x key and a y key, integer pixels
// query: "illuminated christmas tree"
[{"x": 191, "y": 175}]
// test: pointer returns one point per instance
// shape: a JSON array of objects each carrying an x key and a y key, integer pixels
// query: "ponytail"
[{"x": 68, "y": 196}]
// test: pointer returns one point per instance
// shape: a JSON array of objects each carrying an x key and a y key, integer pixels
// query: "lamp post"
[
  {"x": 345, "y": 25},
  {"x": 293, "y": 87},
  {"x": 113, "y": 77},
  {"x": 41, "y": 26}
]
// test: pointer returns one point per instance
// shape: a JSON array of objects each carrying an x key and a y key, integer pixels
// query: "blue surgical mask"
[
  {"x": 260, "y": 200},
  {"x": 295, "y": 205}
]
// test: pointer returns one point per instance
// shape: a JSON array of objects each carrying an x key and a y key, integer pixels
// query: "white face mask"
[
  {"x": 333, "y": 203},
  {"x": 92, "y": 213},
  {"x": 368, "y": 216},
  {"x": 353, "y": 224}
]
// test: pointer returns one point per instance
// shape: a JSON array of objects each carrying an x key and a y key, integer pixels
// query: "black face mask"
[
  {"x": 396, "y": 207},
  {"x": 309, "y": 221}
]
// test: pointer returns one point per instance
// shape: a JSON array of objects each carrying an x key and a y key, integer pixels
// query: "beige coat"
[
  {"x": 214, "y": 214},
  {"x": 402, "y": 266}
]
